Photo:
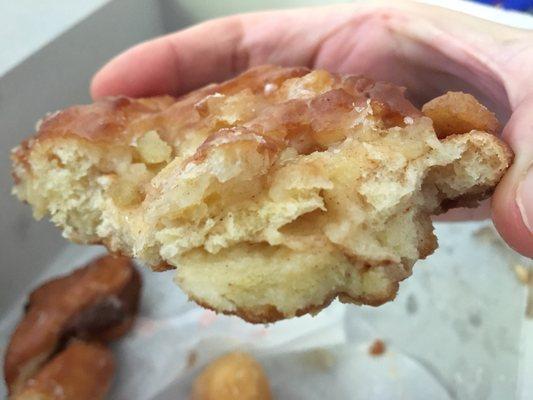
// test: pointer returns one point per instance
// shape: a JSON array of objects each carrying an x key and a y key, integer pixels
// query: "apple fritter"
[{"x": 272, "y": 193}]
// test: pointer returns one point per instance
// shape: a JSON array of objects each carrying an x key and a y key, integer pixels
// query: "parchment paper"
[{"x": 453, "y": 332}]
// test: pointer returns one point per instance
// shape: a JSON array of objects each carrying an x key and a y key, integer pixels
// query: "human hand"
[{"x": 427, "y": 49}]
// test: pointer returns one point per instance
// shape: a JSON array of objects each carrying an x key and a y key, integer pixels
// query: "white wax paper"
[{"x": 453, "y": 332}]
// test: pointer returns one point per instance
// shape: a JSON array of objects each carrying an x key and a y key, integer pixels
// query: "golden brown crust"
[
  {"x": 82, "y": 371},
  {"x": 456, "y": 113},
  {"x": 98, "y": 302},
  {"x": 105, "y": 121},
  {"x": 111, "y": 119},
  {"x": 269, "y": 313}
]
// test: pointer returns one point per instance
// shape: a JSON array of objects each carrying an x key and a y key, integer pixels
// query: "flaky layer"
[{"x": 272, "y": 193}]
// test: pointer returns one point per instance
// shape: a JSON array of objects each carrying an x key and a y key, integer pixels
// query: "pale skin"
[{"x": 427, "y": 49}]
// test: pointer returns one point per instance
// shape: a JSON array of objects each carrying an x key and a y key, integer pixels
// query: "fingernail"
[{"x": 524, "y": 199}]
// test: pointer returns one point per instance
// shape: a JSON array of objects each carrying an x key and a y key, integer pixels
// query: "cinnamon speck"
[
  {"x": 377, "y": 348},
  {"x": 191, "y": 359}
]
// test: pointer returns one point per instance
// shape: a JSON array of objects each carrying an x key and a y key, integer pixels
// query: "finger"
[
  {"x": 217, "y": 50},
  {"x": 174, "y": 63},
  {"x": 512, "y": 203}
]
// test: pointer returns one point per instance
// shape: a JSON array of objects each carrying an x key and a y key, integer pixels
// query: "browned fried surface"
[
  {"x": 82, "y": 371},
  {"x": 269, "y": 313},
  {"x": 235, "y": 375},
  {"x": 98, "y": 301},
  {"x": 457, "y": 112}
]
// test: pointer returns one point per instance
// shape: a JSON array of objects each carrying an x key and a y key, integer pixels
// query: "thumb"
[{"x": 512, "y": 203}]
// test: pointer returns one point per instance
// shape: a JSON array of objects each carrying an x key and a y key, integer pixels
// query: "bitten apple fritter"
[{"x": 272, "y": 193}]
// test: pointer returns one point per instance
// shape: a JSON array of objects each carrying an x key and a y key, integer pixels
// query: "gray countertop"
[{"x": 28, "y": 25}]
